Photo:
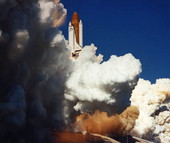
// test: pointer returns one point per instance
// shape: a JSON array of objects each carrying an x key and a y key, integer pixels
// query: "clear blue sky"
[{"x": 140, "y": 27}]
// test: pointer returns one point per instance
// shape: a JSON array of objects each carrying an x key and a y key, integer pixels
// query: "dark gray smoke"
[{"x": 33, "y": 69}]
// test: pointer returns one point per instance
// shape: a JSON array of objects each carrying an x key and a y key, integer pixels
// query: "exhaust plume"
[
  {"x": 101, "y": 123},
  {"x": 153, "y": 103}
]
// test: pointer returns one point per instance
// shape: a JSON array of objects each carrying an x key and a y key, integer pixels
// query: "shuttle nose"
[{"x": 75, "y": 18}]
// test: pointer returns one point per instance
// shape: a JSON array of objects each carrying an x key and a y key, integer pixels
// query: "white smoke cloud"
[
  {"x": 107, "y": 82},
  {"x": 46, "y": 10},
  {"x": 52, "y": 13},
  {"x": 154, "y": 106}
]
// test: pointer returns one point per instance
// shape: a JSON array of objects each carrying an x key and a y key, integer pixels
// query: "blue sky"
[{"x": 140, "y": 27}]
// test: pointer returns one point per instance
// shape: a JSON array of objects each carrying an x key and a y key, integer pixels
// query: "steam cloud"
[
  {"x": 93, "y": 83},
  {"x": 153, "y": 101}
]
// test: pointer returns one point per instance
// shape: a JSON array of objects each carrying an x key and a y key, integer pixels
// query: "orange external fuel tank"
[{"x": 75, "y": 22}]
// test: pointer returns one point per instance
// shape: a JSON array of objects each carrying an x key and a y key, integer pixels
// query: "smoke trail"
[{"x": 154, "y": 106}]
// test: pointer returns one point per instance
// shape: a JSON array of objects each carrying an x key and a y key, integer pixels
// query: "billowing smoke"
[
  {"x": 101, "y": 123},
  {"x": 52, "y": 11},
  {"x": 34, "y": 64},
  {"x": 97, "y": 85},
  {"x": 153, "y": 101}
]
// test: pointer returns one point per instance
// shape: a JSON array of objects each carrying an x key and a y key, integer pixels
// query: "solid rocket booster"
[{"x": 81, "y": 33}]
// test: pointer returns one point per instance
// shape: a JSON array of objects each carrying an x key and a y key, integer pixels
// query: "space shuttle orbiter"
[{"x": 75, "y": 35}]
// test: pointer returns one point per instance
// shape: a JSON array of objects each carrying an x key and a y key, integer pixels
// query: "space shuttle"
[{"x": 75, "y": 35}]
